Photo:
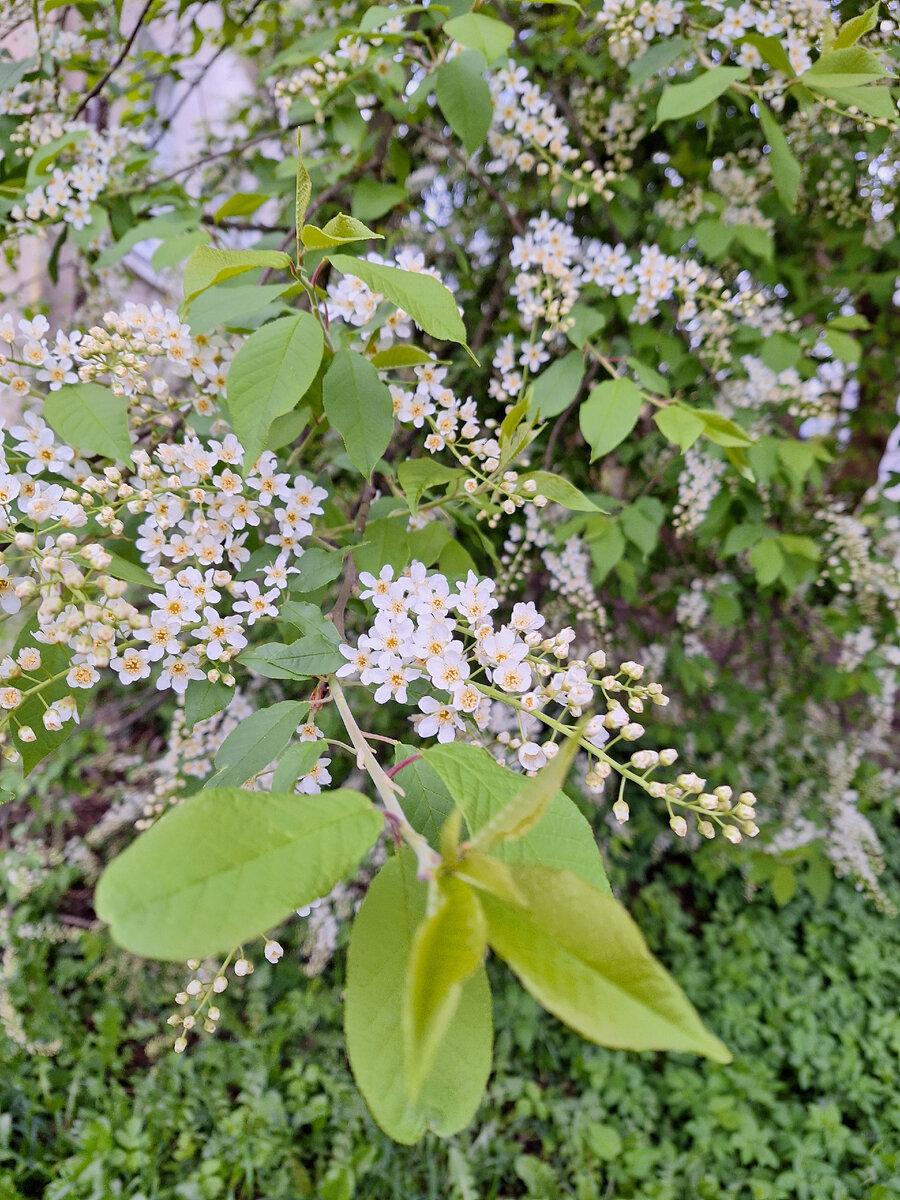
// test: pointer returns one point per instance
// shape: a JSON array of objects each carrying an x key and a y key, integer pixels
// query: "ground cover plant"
[{"x": 461, "y": 471}]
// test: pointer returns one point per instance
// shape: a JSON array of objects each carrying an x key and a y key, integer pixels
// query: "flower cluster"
[{"x": 442, "y": 650}]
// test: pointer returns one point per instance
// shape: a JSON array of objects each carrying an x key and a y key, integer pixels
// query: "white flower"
[
  {"x": 531, "y": 756},
  {"x": 132, "y": 666},
  {"x": 439, "y": 719}
]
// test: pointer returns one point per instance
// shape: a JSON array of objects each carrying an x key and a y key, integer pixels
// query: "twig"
[{"x": 101, "y": 83}]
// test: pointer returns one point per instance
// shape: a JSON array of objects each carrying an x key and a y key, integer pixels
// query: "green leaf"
[
  {"x": 14, "y": 72},
  {"x": 257, "y": 742},
  {"x": 298, "y": 760},
  {"x": 90, "y": 418},
  {"x": 121, "y": 568},
  {"x": 683, "y": 99},
  {"x": 163, "y": 226},
  {"x": 417, "y": 475},
  {"x": 241, "y": 204},
  {"x": 848, "y": 349},
  {"x": 786, "y": 170},
  {"x": 607, "y": 548},
  {"x": 557, "y": 386},
  {"x": 528, "y": 806},
  {"x": 423, "y": 297},
  {"x": 758, "y": 241},
  {"x": 317, "y": 567},
  {"x": 55, "y": 660},
  {"x": 850, "y": 67},
  {"x": 426, "y": 801},
  {"x": 204, "y": 699},
  {"x": 447, "y": 949},
  {"x": 657, "y": 57},
  {"x": 228, "y": 864},
  {"x": 377, "y": 960},
  {"x": 372, "y": 199},
  {"x": 722, "y": 430},
  {"x": 491, "y": 38},
  {"x": 679, "y": 424},
  {"x": 741, "y": 537},
  {"x": 767, "y": 561},
  {"x": 649, "y": 378},
  {"x": 339, "y": 230},
  {"x": 302, "y": 190},
  {"x": 308, "y": 656},
  {"x": 713, "y": 237},
  {"x": 783, "y": 884},
  {"x": 877, "y": 101},
  {"x": 851, "y": 31},
  {"x": 609, "y": 414},
  {"x": 560, "y": 491},
  {"x": 581, "y": 956},
  {"x": 233, "y": 305},
  {"x": 359, "y": 407},
  {"x": 396, "y": 357},
  {"x": 207, "y": 266},
  {"x": 465, "y": 98},
  {"x": 481, "y": 788},
  {"x": 269, "y": 376}
]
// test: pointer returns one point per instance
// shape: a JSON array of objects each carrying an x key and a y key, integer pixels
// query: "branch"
[{"x": 101, "y": 83}]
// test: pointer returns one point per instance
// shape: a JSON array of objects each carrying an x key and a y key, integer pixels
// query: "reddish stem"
[{"x": 400, "y": 765}]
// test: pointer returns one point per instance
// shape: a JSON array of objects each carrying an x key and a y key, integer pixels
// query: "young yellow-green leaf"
[
  {"x": 851, "y": 31},
  {"x": 396, "y": 357},
  {"x": 482, "y": 788},
  {"x": 478, "y": 32},
  {"x": 785, "y": 168},
  {"x": 302, "y": 191},
  {"x": 269, "y": 376},
  {"x": 257, "y": 742},
  {"x": 298, "y": 760},
  {"x": 241, "y": 204},
  {"x": 722, "y": 430},
  {"x": 339, "y": 230},
  {"x": 582, "y": 957},
  {"x": 228, "y": 864},
  {"x": 377, "y": 961},
  {"x": 360, "y": 408},
  {"x": 560, "y": 491},
  {"x": 447, "y": 948},
  {"x": 90, "y": 418},
  {"x": 609, "y": 414},
  {"x": 527, "y": 808},
  {"x": 490, "y": 875},
  {"x": 851, "y": 67},
  {"x": 684, "y": 99},
  {"x": 207, "y": 266},
  {"x": 237, "y": 305},
  {"x": 424, "y": 298},
  {"x": 767, "y": 561},
  {"x": 465, "y": 98}
]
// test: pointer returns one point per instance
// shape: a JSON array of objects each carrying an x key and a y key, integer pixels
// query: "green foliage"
[
  {"x": 226, "y": 865},
  {"x": 358, "y": 405},
  {"x": 91, "y": 418}
]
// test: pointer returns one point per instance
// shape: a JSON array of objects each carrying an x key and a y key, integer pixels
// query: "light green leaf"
[
  {"x": 657, "y": 57},
  {"x": 377, "y": 960},
  {"x": 396, "y": 357},
  {"x": 557, "y": 386},
  {"x": 683, "y": 99},
  {"x": 783, "y": 884},
  {"x": 465, "y": 98},
  {"x": 528, "y": 806},
  {"x": 649, "y": 378},
  {"x": 851, "y": 31},
  {"x": 609, "y": 414},
  {"x": 423, "y": 297},
  {"x": 207, "y": 266},
  {"x": 447, "y": 949},
  {"x": 122, "y": 568},
  {"x": 372, "y": 199},
  {"x": 679, "y": 424},
  {"x": 578, "y": 952},
  {"x": 228, "y": 864},
  {"x": 269, "y": 376},
  {"x": 257, "y": 742},
  {"x": 560, "y": 491},
  {"x": 308, "y": 656},
  {"x": 165, "y": 225},
  {"x": 786, "y": 170},
  {"x": 417, "y": 475},
  {"x": 339, "y": 230},
  {"x": 302, "y": 190},
  {"x": 490, "y": 37},
  {"x": 90, "y": 418},
  {"x": 231, "y": 305},
  {"x": 481, "y": 788},
  {"x": 713, "y": 237},
  {"x": 241, "y": 204},
  {"x": 203, "y": 699},
  {"x": 848, "y": 349},
  {"x": 722, "y": 430},
  {"x": 360, "y": 408},
  {"x": 839, "y": 69},
  {"x": 298, "y": 760},
  {"x": 607, "y": 548},
  {"x": 767, "y": 561},
  {"x": 875, "y": 100},
  {"x": 758, "y": 241}
]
